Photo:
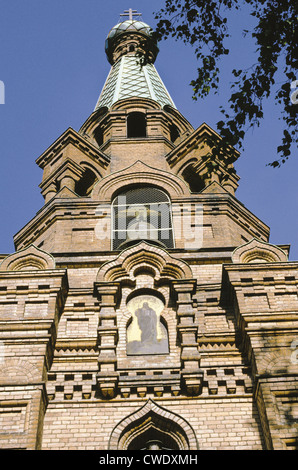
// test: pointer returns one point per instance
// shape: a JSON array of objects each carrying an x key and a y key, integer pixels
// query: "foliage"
[{"x": 204, "y": 25}]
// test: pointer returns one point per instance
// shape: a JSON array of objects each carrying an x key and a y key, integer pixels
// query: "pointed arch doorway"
[{"x": 153, "y": 428}]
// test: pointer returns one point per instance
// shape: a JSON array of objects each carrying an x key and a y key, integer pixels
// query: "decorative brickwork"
[
  {"x": 152, "y": 419},
  {"x": 184, "y": 346}
]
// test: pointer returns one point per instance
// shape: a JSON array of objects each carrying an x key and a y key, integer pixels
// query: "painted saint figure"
[
  {"x": 147, "y": 321},
  {"x": 149, "y": 324}
]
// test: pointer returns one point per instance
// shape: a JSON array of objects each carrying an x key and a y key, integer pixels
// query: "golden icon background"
[{"x": 146, "y": 334}]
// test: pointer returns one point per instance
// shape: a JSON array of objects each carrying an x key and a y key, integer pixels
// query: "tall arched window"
[
  {"x": 142, "y": 213},
  {"x": 174, "y": 133}
]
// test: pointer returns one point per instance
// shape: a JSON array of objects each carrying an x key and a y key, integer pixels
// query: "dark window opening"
[
  {"x": 136, "y": 125},
  {"x": 142, "y": 214},
  {"x": 194, "y": 181},
  {"x": 98, "y": 136},
  {"x": 131, "y": 48},
  {"x": 174, "y": 133},
  {"x": 86, "y": 183}
]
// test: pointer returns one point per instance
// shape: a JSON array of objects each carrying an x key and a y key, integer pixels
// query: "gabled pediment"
[
  {"x": 199, "y": 160},
  {"x": 258, "y": 251},
  {"x": 214, "y": 188},
  {"x": 70, "y": 136},
  {"x": 144, "y": 256},
  {"x": 66, "y": 193},
  {"x": 203, "y": 133}
]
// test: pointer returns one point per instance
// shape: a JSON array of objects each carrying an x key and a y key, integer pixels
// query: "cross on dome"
[{"x": 131, "y": 13}]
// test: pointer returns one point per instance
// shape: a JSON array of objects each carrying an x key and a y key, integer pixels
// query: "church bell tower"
[{"x": 144, "y": 307}]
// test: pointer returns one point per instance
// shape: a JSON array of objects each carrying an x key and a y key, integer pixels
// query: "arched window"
[
  {"x": 136, "y": 125},
  {"x": 153, "y": 428},
  {"x": 174, "y": 133},
  {"x": 142, "y": 214},
  {"x": 98, "y": 135},
  {"x": 195, "y": 182},
  {"x": 86, "y": 183}
]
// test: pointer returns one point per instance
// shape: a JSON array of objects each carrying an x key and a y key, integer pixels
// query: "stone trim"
[
  {"x": 258, "y": 251},
  {"x": 30, "y": 257},
  {"x": 152, "y": 414},
  {"x": 139, "y": 173},
  {"x": 144, "y": 256}
]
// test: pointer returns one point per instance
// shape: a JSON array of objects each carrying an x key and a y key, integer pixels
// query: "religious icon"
[
  {"x": 139, "y": 227},
  {"x": 146, "y": 333}
]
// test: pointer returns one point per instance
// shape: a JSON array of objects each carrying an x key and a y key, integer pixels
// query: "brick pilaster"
[
  {"x": 107, "y": 377},
  {"x": 187, "y": 330}
]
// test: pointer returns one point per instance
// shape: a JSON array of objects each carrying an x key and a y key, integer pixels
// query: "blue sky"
[{"x": 53, "y": 65}]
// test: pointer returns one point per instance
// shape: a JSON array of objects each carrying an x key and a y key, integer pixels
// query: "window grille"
[{"x": 142, "y": 214}]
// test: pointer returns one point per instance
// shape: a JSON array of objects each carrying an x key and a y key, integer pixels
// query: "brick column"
[
  {"x": 68, "y": 177},
  {"x": 265, "y": 301},
  {"x": 68, "y": 174},
  {"x": 31, "y": 303},
  {"x": 50, "y": 192},
  {"x": 107, "y": 376},
  {"x": 187, "y": 330}
]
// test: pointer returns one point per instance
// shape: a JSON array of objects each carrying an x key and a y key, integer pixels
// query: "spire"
[{"x": 127, "y": 79}]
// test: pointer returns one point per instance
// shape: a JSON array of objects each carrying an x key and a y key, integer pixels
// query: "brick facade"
[{"x": 230, "y": 302}]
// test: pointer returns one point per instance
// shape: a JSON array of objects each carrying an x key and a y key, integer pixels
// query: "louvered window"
[{"x": 142, "y": 213}]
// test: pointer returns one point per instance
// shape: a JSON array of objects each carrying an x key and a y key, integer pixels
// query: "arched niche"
[
  {"x": 18, "y": 371},
  {"x": 146, "y": 332},
  {"x": 89, "y": 178},
  {"x": 29, "y": 258},
  {"x": 194, "y": 181},
  {"x": 153, "y": 427},
  {"x": 258, "y": 251}
]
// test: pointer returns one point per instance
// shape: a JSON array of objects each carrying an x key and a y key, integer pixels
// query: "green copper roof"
[{"x": 127, "y": 79}]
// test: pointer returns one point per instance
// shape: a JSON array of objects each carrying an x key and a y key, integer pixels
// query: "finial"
[{"x": 131, "y": 13}]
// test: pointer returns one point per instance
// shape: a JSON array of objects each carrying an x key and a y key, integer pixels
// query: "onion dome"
[
  {"x": 127, "y": 79},
  {"x": 127, "y": 34},
  {"x": 128, "y": 25}
]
